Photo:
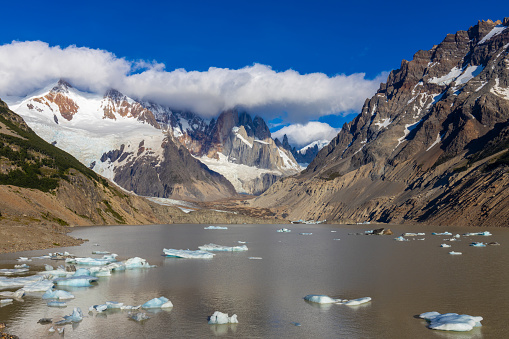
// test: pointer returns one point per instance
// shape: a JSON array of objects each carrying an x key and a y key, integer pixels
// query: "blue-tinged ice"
[
  {"x": 485, "y": 233},
  {"x": 283, "y": 230},
  {"x": 11, "y": 271},
  {"x": 75, "y": 317},
  {"x": 219, "y": 248},
  {"x": 451, "y": 321},
  {"x": 136, "y": 262},
  {"x": 444, "y": 233},
  {"x": 57, "y": 294},
  {"x": 38, "y": 286},
  {"x": 55, "y": 303},
  {"x": 410, "y": 234},
  {"x": 478, "y": 244},
  {"x": 98, "y": 308},
  {"x": 21, "y": 266},
  {"x": 160, "y": 302},
  {"x": 88, "y": 261},
  {"x": 114, "y": 305},
  {"x": 445, "y": 245},
  {"x": 76, "y": 281},
  {"x": 188, "y": 254},
  {"x": 6, "y": 282},
  {"x": 455, "y": 253},
  {"x": 82, "y": 271},
  {"x": 321, "y": 299},
  {"x": 215, "y": 228},
  {"x": 6, "y": 301},
  {"x": 400, "y": 238},
  {"x": 16, "y": 295},
  {"x": 222, "y": 318}
]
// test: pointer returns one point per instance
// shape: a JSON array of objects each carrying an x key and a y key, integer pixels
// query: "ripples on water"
[{"x": 403, "y": 279}]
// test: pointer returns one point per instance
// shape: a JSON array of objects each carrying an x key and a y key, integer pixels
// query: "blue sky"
[{"x": 361, "y": 38}]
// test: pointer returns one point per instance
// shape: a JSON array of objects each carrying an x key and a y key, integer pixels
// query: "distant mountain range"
[
  {"x": 430, "y": 146},
  {"x": 153, "y": 151}
]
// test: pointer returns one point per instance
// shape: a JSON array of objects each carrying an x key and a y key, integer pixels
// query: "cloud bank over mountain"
[{"x": 298, "y": 98}]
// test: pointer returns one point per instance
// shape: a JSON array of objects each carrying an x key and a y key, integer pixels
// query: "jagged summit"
[
  {"x": 62, "y": 86},
  {"x": 413, "y": 153}
]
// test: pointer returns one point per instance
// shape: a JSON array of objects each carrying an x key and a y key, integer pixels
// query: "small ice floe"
[
  {"x": 400, "y": 238},
  {"x": 57, "y": 294},
  {"x": 485, "y": 233},
  {"x": 306, "y": 233},
  {"x": 451, "y": 321},
  {"x": 355, "y": 302},
  {"x": 16, "y": 295},
  {"x": 6, "y": 301},
  {"x": 255, "y": 258},
  {"x": 222, "y": 318},
  {"x": 55, "y": 303},
  {"x": 445, "y": 245},
  {"x": 455, "y": 253},
  {"x": 410, "y": 234},
  {"x": 283, "y": 230},
  {"x": 478, "y": 244},
  {"x": 129, "y": 307},
  {"x": 12, "y": 271},
  {"x": 114, "y": 305},
  {"x": 321, "y": 299},
  {"x": 188, "y": 254},
  {"x": 51, "y": 329},
  {"x": 333, "y": 231},
  {"x": 21, "y": 266},
  {"x": 76, "y": 281},
  {"x": 59, "y": 272},
  {"x": 160, "y": 302},
  {"x": 136, "y": 262},
  {"x": 219, "y": 248},
  {"x": 241, "y": 242},
  {"x": 6, "y": 282},
  {"x": 24, "y": 259},
  {"x": 140, "y": 316},
  {"x": 444, "y": 233},
  {"x": 215, "y": 228},
  {"x": 98, "y": 308},
  {"x": 336, "y": 239},
  {"x": 75, "y": 317},
  {"x": 38, "y": 286},
  {"x": 101, "y": 252}
]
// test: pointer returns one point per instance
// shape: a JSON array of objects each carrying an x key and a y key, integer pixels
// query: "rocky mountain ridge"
[{"x": 429, "y": 146}]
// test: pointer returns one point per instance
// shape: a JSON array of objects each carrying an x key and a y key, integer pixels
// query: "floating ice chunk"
[
  {"x": 6, "y": 282},
  {"x": 336, "y": 239},
  {"x": 82, "y": 271},
  {"x": 24, "y": 259},
  {"x": 54, "y": 303},
  {"x": 215, "y": 228},
  {"x": 140, "y": 316},
  {"x": 358, "y": 301},
  {"x": 129, "y": 307},
  {"x": 101, "y": 252},
  {"x": 255, "y": 258},
  {"x": 160, "y": 302},
  {"x": 222, "y": 318},
  {"x": 219, "y": 248},
  {"x": 21, "y": 266},
  {"x": 444, "y": 233},
  {"x": 412, "y": 234},
  {"x": 57, "y": 294},
  {"x": 11, "y": 271},
  {"x": 445, "y": 245},
  {"x": 75, "y": 317},
  {"x": 321, "y": 299},
  {"x": 241, "y": 242},
  {"x": 16, "y": 295},
  {"x": 98, "y": 308},
  {"x": 88, "y": 261},
  {"x": 283, "y": 230},
  {"x": 187, "y": 254},
  {"x": 306, "y": 233},
  {"x": 455, "y": 253},
  {"x": 38, "y": 286},
  {"x": 478, "y": 244},
  {"x": 136, "y": 262},
  {"x": 51, "y": 329},
  {"x": 400, "y": 238},
  {"x": 114, "y": 305},
  {"x": 76, "y": 281},
  {"x": 5, "y": 301},
  {"x": 451, "y": 321},
  {"x": 486, "y": 234}
]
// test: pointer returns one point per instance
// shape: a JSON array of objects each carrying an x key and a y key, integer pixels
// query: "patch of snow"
[
  {"x": 500, "y": 91},
  {"x": 482, "y": 85},
  {"x": 448, "y": 78},
  {"x": 495, "y": 31},
  {"x": 438, "y": 139},
  {"x": 320, "y": 143},
  {"x": 469, "y": 73},
  {"x": 244, "y": 140},
  {"x": 408, "y": 128},
  {"x": 384, "y": 123},
  {"x": 261, "y": 141}
]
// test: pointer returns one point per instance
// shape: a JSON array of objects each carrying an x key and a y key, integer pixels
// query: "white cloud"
[
  {"x": 27, "y": 66},
  {"x": 301, "y": 135}
]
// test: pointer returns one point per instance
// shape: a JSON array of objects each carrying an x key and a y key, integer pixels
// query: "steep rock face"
[{"x": 429, "y": 145}]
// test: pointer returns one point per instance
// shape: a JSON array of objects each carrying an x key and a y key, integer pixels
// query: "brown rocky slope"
[{"x": 431, "y": 145}]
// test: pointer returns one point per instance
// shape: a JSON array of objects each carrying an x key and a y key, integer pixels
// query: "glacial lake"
[{"x": 403, "y": 279}]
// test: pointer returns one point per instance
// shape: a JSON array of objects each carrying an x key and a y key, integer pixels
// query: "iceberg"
[
  {"x": 82, "y": 271},
  {"x": 321, "y": 299},
  {"x": 187, "y": 254},
  {"x": 76, "y": 281},
  {"x": 101, "y": 252},
  {"x": 140, "y": 316},
  {"x": 75, "y": 317},
  {"x": 38, "y": 286},
  {"x": 88, "y": 261},
  {"x": 11, "y": 271},
  {"x": 54, "y": 303},
  {"x": 451, "y": 321},
  {"x": 358, "y": 301},
  {"x": 160, "y": 302},
  {"x": 219, "y": 248},
  {"x": 283, "y": 230},
  {"x": 114, "y": 305},
  {"x": 400, "y": 238},
  {"x": 445, "y": 245},
  {"x": 98, "y": 308},
  {"x": 444, "y": 233},
  {"x": 222, "y": 318},
  {"x": 136, "y": 262},
  {"x": 485, "y": 233},
  {"x": 478, "y": 244},
  {"x": 455, "y": 253},
  {"x": 215, "y": 228},
  {"x": 21, "y": 266},
  {"x": 255, "y": 258},
  {"x": 6, "y": 282},
  {"x": 57, "y": 294},
  {"x": 24, "y": 259},
  {"x": 410, "y": 234}
]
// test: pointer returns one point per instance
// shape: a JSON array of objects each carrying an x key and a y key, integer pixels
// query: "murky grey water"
[{"x": 403, "y": 278}]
